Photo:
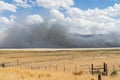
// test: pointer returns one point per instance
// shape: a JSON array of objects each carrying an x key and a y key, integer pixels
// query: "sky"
[{"x": 59, "y": 23}]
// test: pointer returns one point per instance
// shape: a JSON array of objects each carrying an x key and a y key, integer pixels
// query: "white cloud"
[
  {"x": 4, "y": 20},
  {"x": 56, "y": 14},
  {"x": 55, "y": 3},
  {"x": 94, "y": 21},
  {"x": 7, "y": 21},
  {"x": 91, "y": 21},
  {"x": 4, "y": 6},
  {"x": 114, "y": 10},
  {"x": 12, "y": 17},
  {"x": 22, "y": 3},
  {"x": 34, "y": 19},
  {"x": 56, "y": 26}
]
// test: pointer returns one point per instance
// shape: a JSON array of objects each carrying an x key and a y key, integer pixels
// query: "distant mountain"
[{"x": 89, "y": 35}]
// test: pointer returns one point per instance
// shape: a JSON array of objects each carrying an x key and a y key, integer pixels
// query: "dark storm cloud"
[{"x": 55, "y": 36}]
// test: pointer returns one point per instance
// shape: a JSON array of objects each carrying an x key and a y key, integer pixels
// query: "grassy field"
[{"x": 57, "y": 64}]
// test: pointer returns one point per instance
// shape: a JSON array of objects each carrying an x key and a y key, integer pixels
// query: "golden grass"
[
  {"x": 21, "y": 74},
  {"x": 57, "y": 65}
]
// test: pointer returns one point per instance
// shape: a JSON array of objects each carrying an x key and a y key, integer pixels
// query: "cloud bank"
[
  {"x": 65, "y": 27},
  {"x": 4, "y": 6}
]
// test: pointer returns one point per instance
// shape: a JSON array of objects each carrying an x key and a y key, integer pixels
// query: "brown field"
[{"x": 57, "y": 64}]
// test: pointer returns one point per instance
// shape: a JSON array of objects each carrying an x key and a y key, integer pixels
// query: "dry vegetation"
[{"x": 58, "y": 64}]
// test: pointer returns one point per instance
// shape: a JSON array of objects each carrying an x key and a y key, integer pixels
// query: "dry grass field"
[{"x": 57, "y": 64}]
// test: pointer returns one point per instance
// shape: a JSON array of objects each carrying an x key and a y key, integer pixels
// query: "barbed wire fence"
[{"x": 86, "y": 68}]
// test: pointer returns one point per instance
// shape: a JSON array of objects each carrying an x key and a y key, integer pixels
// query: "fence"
[
  {"x": 97, "y": 69},
  {"x": 47, "y": 67},
  {"x": 86, "y": 68}
]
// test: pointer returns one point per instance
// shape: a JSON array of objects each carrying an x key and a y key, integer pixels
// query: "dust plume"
[{"x": 56, "y": 35}]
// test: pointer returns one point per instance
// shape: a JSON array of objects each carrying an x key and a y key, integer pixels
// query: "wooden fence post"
[
  {"x": 56, "y": 67},
  {"x": 113, "y": 67},
  {"x": 106, "y": 70},
  {"x": 3, "y": 65},
  {"x": 17, "y": 62},
  {"x": 45, "y": 67},
  {"x": 89, "y": 70},
  {"x": 92, "y": 69},
  {"x": 49, "y": 67},
  {"x": 38, "y": 67},
  {"x": 104, "y": 67},
  {"x": 64, "y": 68},
  {"x": 75, "y": 68},
  {"x": 99, "y": 77},
  {"x": 31, "y": 67}
]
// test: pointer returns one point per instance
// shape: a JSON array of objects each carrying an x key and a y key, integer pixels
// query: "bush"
[
  {"x": 113, "y": 73},
  {"x": 92, "y": 79},
  {"x": 96, "y": 72},
  {"x": 78, "y": 73}
]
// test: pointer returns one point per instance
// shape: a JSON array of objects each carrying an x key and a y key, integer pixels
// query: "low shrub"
[
  {"x": 78, "y": 73},
  {"x": 92, "y": 79},
  {"x": 113, "y": 73}
]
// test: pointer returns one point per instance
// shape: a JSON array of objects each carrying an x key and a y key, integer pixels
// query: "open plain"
[{"x": 58, "y": 64}]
